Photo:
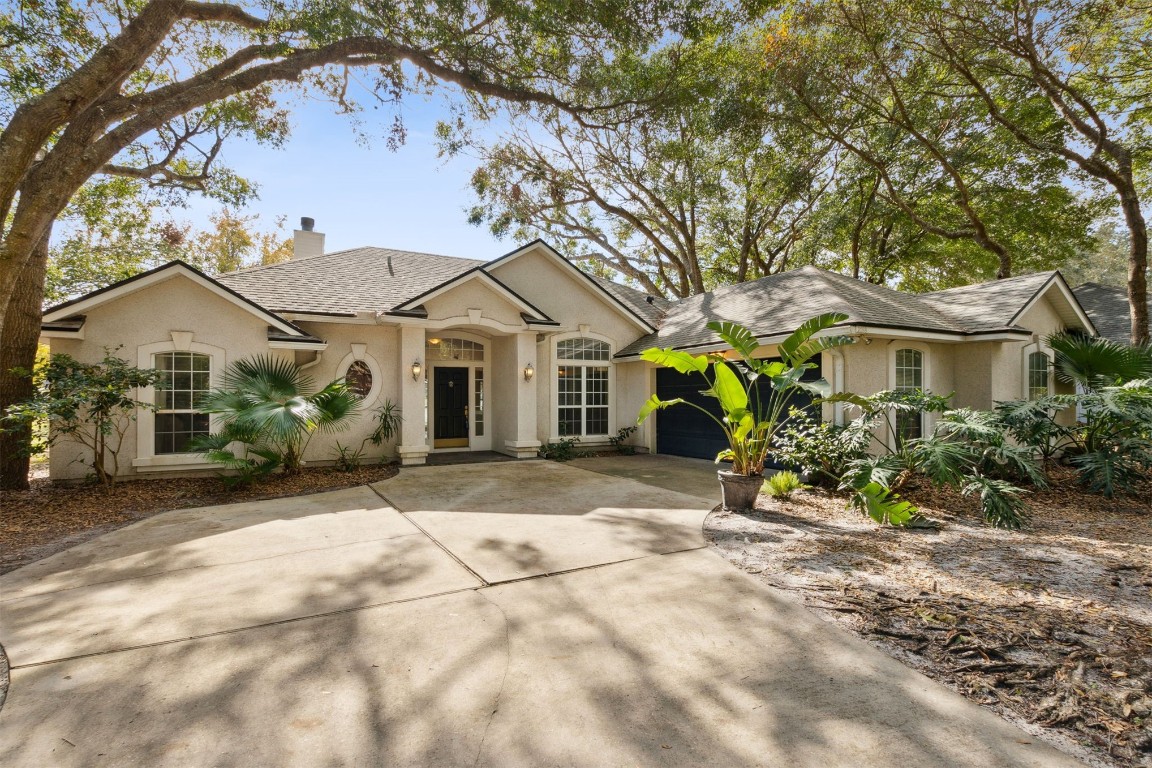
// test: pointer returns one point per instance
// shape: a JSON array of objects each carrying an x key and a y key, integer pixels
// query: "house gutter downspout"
[
  {"x": 315, "y": 360},
  {"x": 837, "y": 385}
]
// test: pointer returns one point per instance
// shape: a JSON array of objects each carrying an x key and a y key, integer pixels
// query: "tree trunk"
[
  {"x": 21, "y": 334},
  {"x": 1137, "y": 266}
]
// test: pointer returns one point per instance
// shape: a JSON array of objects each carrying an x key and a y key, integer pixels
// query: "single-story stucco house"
[{"x": 511, "y": 353}]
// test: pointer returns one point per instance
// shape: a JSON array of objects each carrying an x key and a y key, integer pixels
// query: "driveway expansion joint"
[
  {"x": 237, "y": 630},
  {"x": 203, "y": 566},
  {"x": 484, "y": 582}
]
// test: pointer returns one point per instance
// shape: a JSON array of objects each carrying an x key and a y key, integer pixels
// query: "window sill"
[{"x": 160, "y": 463}]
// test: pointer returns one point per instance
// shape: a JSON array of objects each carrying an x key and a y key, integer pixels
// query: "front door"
[{"x": 450, "y": 407}]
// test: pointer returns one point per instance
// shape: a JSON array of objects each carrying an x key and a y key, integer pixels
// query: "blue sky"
[{"x": 361, "y": 195}]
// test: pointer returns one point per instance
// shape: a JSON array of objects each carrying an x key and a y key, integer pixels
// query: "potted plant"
[{"x": 749, "y": 418}]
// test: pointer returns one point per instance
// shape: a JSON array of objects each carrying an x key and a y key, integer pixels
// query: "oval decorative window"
[{"x": 359, "y": 378}]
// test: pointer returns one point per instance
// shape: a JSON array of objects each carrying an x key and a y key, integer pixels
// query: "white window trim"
[
  {"x": 1036, "y": 346},
  {"x": 554, "y": 377},
  {"x": 927, "y": 420},
  {"x": 146, "y": 459},
  {"x": 360, "y": 353}
]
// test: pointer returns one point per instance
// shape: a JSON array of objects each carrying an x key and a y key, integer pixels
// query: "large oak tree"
[{"x": 151, "y": 90}]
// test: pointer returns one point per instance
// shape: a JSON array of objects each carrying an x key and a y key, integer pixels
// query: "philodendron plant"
[{"x": 750, "y": 419}]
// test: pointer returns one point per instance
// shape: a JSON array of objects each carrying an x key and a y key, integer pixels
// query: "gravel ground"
[{"x": 1050, "y": 626}]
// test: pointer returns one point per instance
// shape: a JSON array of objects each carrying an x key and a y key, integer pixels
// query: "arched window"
[
  {"x": 358, "y": 377},
  {"x": 582, "y": 386},
  {"x": 186, "y": 379},
  {"x": 1039, "y": 373},
  {"x": 909, "y": 375}
]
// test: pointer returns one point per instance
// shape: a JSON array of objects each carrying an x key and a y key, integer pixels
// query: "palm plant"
[
  {"x": 749, "y": 420},
  {"x": 267, "y": 404},
  {"x": 1111, "y": 443},
  {"x": 1091, "y": 361}
]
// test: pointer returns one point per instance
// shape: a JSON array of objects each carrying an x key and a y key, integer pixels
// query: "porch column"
[
  {"x": 524, "y": 444},
  {"x": 413, "y": 448}
]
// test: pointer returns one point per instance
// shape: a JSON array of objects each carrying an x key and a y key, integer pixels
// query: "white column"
[
  {"x": 525, "y": 443},
  {"x": 413, "y": 448}
]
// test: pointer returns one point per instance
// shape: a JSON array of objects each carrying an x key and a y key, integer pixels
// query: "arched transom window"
[{"x": 454, "y": 349}]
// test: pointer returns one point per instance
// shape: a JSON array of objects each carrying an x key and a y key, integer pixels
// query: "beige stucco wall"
[
  {"x": 382, "y": 346},
  {"x": 567, "y": 298},
  {"x": 572, "y": 301},
  {"x": 149, "y": 316},
  {"x": 473, "y": 295},
  {"x": 503, "y": 390}
]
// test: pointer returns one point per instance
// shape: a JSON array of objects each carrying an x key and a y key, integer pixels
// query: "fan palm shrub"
[
  {"x": 1092, "y": 361},
  {"x": 1110, "y": 442},
  {"x": 268, "y": 406}
]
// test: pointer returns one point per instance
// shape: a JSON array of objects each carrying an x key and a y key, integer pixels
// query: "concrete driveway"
[{"x": 506, "y": 614}]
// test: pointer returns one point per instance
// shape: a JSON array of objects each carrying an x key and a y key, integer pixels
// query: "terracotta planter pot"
[{"x": 739, "y": 491}]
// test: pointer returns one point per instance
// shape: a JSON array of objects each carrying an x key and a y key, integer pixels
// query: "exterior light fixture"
[
  {"x": 529, "y": 372},
  {"x": 416, "y": 368}
]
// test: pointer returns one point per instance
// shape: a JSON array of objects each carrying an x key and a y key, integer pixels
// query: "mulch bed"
[
  {"x": 49, "y": 517},
  {"x": 1050, "y": 626}
]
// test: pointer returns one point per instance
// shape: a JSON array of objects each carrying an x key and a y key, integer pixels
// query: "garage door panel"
[{"x": 684, "y": 431}]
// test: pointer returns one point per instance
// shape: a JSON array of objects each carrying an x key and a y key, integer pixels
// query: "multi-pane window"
[
  {"x": 454, "y": 349},
  {"x": 909, "y": 375},
  {"x": 478, "y": 403},
  {"x": 1038, "y": 372},
  {"x": 186, "y": 378},
  {"x": 582, "y": 386}
]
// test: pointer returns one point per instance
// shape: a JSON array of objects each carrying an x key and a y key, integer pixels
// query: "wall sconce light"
[
  {"x": 416, "y": 368},
  {"x": 529, "y": 372}
]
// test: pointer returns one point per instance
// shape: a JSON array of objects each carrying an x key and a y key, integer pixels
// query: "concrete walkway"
[{"x": 511, "y": 614}]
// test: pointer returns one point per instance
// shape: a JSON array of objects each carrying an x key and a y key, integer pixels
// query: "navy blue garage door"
[{"x": 684, "y": 431}]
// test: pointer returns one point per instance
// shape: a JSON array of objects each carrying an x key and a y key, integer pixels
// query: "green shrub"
[
  {"x": 968, "y": 450},
  {"x": 348, "y": 459},
  {"x": 90, "y": 403},
  {"x": 751, "y": 417},
  {"x": 619, "y": 441},
  {"x": 821, "y": 449},
  {"x": 563, "y": 449},
  {"x": 783, "y": 484}
]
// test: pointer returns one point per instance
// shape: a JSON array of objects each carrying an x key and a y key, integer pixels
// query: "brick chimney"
[{"x": 305, "y": 242}]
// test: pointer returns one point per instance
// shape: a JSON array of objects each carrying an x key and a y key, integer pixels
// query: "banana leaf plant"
[{"x": 750, "y": 417}]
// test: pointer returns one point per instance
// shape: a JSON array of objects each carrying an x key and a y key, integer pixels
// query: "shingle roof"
[
  {"x": 1108, "y": 309},
  {"x": 340, "y": 282},
  {"x": 987, "y": 306},
  {"x": 637, "y": 301},
  {"x": 778, "y": 303}
]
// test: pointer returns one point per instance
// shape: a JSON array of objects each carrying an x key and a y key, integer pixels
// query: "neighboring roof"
[
  {"x": 54, "y": 316},
  {"x": 1109, "y": 310},
  {"x": 343, "y": 282}
]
